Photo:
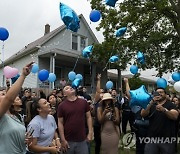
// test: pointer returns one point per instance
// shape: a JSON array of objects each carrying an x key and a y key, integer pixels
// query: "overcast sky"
[{"x": 25, "y": 20}]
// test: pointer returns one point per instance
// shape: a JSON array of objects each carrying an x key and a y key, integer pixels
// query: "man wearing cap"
[{"x": 162, "y": 116}]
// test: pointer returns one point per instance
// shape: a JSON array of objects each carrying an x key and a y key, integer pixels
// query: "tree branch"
[{"x": 174, "y": 6}]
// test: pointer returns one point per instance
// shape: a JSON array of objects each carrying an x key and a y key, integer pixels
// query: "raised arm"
[
  {"x": 8, "y": 99},
  {"x": 127, "y": 87},
  {"x": 98, "y": 88}
]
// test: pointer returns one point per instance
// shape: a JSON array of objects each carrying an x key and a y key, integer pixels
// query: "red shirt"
[{"x": 73, "y": 113}]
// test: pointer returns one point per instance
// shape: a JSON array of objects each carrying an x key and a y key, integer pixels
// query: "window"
[
  {"x": 74, "y": 42},
  {"x": 82, "y": 43}
]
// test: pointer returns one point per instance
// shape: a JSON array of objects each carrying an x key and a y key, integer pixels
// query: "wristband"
[{"x": 57, "y": 138}]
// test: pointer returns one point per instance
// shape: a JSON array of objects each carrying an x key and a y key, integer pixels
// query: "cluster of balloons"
[
  {"x": 176, "y": 78},
  {"x": 75, "y": 78},
  {"x": 109, "y": 85},
  {"x": 140, "y": 97},
  {"x": 161, "y": 82},
  {"x": 140, "y": 59},
  {"x": 69, "y": 17},
  {"x": 4, "y": 34},
  {"x": 87, "y": 51},
  {"x": 43, "y": 74}
]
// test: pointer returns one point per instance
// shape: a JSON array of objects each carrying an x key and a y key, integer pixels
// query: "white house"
[{"x": 59, "y": 52}]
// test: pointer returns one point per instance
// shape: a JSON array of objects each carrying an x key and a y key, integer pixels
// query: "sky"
[{"x": 25, "y": 21}]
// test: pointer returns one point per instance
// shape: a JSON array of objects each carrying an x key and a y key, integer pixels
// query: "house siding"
[{"x": 31, "y": 80}]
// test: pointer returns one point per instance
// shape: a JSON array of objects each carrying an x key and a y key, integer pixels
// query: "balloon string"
[
  {"x": 109, "y": 69},
  {"x": 110, "y": 55},
  {"x": 90, "y": 68},
  {"x": 2, "y": 60},
  {"x": 76, "y": 63},
  {"x": 74, "y": 67}
]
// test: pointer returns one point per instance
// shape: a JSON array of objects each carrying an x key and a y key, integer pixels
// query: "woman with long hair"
[
  {"x": 12, "y": 129},
  {"x": 108, "y": 116},
  {"x": 44, "y": 129}
]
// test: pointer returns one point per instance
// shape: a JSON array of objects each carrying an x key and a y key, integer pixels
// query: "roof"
[
  {"x": 112, "y": 73},
  {"x": 29, "y": 48}
]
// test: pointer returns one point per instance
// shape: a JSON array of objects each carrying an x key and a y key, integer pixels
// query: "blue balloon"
[
  {"x": 114, "y": 59},
  {"x": 111, "y": 2},
  {"x": 120, "y": 32},
  {"x": 13, "y": 80},
  {"x": 76, "y": 83},
  {"x": 35, "y": 68},
  {"x": 4, "y": 34},
  {"x": 140, "y": 57},
  {"x": 140, "y": 97},
  {"x": 134, "y": 69},
  {"x": 95, "y": 15},
  {"x": 161, "y": 82},
  {"x": 176, "y": 76},
  {"x": 52, "y": 77},
  {"x": 87, "y": 51},
  {"x": 43, "y": 75},
  {"x": 109, "y": 85},
  {"x": 79, "y": 76},
  {"x": 69, "y": 17},
  {"x": 71, "y": 75}
]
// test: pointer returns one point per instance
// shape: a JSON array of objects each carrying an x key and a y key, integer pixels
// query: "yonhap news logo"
[
  {"x": 129, "y": 140},
  {"x": 158, "y": 140}
]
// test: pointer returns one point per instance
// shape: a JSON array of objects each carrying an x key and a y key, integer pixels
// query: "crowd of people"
[{"x": 67, "y": 120}]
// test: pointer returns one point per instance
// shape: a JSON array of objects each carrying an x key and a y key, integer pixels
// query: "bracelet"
[
  {"x": 57, "y": 138},
  {"x": 165, "y": 110}
]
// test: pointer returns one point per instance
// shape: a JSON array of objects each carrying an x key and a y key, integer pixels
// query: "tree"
[{"x": 153, "y": 27}]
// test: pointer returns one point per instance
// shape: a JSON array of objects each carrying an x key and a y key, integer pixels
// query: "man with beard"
[{"x": 162, "y": 117}]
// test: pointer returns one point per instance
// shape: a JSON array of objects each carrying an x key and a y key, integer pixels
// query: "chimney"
[{"x": 47, "y": 29}]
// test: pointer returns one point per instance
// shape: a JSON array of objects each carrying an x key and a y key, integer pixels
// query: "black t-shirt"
[{"x": 159, "y": 124}]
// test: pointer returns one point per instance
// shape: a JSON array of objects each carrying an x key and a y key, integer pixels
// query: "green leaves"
[{"x": 153, "y": 27}]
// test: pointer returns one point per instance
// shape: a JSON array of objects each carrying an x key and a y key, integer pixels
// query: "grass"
[{"x": 121, "y": 150}]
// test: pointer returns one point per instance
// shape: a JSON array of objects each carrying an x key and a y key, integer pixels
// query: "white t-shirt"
[{"x": 44, "y": 130}]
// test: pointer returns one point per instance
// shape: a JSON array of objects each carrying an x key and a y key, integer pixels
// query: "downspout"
[{"x": 52, "y": 69}]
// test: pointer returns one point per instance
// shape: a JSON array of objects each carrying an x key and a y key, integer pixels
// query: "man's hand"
[
  {"x": 160, "y": 108},
  {"x": 90, "y": 136},
  {"x": 64, "y": 146}
]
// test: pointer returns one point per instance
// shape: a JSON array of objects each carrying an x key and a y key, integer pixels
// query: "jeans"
[
  {"x": 78, "y": 148},
  {"x": 162, "y": 148}
]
